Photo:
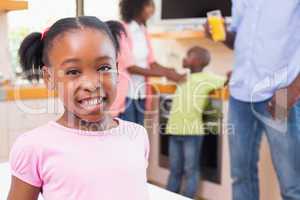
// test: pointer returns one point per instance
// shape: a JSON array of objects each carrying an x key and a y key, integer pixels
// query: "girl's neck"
[{"x": 70, "y": 120}]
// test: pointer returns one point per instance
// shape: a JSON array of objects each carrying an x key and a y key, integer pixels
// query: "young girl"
[{"x": 86, "y": 154}]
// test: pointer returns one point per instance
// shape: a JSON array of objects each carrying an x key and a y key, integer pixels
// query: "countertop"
[
  {"x": 24, "y": 92},
  {"x": 39, "y": 91}
]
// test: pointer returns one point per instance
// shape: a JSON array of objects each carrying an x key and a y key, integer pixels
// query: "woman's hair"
[
  {"x": 34, "y": 49},
  {"x": 129, "y": 9}
]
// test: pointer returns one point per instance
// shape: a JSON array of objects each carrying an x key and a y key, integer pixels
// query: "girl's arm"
[
  {"x": 20, "y": 190},
  {"x": 157, "y": 70},
  {"x": 171, "y": 73},
  {"x": 145, "y": 72},
  {"x": 156, "y": 65}
]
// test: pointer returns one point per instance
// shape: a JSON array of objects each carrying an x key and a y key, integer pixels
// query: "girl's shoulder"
[
  {"x": 131, "y": 126},
  {"x": 36, "y": 133},
  {"x": 26, "y": 155},
  {"x": 136, "y": 133},
  {"x": 33, "y": 138},
  {"x": 132, "y": 129}
]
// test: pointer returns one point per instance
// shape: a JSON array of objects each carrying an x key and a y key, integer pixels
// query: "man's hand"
[
  {"x": 207, "y": 30},
  {"x": 293, "y": 94},
  {"x": 285, "y": 99},
  {"x": 230, "y": 36},
  {"x": 228, "y": 75}
]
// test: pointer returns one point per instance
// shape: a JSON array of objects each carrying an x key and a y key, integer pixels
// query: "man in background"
[{"x": 265, "y": 36}]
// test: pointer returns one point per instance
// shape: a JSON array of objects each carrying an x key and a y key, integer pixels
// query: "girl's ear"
[
  {"x": 117, "y": 66},
  {"x": 118, "y": 73},
  {"x": 48, "y": 79}
]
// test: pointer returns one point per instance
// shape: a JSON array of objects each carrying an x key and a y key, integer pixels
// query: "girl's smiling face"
[{"x": 83, "y": 71}]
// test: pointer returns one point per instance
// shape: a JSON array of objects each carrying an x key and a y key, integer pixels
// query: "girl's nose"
[{"x": 90, "y": 84}]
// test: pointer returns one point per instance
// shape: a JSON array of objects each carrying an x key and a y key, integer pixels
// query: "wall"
[
  {"x": 4, "y": 48},
  {"x": 21, "y": 116},
  {"x": 103, "y": 9},
  {"x": 173, "y": 52}
]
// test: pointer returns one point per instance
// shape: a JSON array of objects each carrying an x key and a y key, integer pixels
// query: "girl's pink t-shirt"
[{"x": 71, "y": 164}]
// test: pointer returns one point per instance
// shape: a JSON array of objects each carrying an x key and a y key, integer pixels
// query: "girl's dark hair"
[
  {"x": 130, "y": 9},
  {"x": 34, "y": 49}
]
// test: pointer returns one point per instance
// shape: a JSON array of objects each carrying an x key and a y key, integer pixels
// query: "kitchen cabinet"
[{"x": 10, "y": 5}]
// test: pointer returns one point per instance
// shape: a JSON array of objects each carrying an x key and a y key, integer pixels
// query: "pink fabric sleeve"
[
  {"x": 125, "y": 60},
  {"x": 24, "y": 162},
  {"x": 150, "y": 61},
  {"x": 126, "y": 57},
  {"x": 151, "y": 58}
]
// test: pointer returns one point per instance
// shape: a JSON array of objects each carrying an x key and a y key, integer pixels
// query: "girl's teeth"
[{"x": 92, "y": 102}]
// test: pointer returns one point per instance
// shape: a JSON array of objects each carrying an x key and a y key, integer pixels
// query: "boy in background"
[{"x": 185, "y": 124}]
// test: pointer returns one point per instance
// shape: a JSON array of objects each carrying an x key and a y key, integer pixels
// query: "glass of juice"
[{"x": 216, "y": 24}]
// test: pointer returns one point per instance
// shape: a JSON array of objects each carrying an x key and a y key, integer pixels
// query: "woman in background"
[{"x": 136, "y": 62}]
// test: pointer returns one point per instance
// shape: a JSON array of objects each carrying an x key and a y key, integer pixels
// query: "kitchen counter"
[
  {"x": 219, "y": 94},
  {"x": 11, "y": 93},
  {"x": 27, "y": 92}
]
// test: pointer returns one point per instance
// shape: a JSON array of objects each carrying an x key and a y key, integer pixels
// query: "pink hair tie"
[{"x": 44, "y": 33}]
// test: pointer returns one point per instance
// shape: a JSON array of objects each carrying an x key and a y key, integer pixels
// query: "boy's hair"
[
  {"x": 201, "y": 53},
  {"x": 129, "y": 9},
  {"x": 33, "y": 52}
]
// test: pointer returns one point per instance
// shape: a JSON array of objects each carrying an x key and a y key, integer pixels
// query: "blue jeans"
[
  {"x": 249, "y": 121},
  {"x": 135, "y": 111},
  {"x": 184, "y": 154}
]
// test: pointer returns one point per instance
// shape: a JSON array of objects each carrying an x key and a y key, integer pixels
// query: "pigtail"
[
  {"x": 34, "y": 48},
  {"x": 30, "y": 54},
  {"x": 116, "y": 29}
]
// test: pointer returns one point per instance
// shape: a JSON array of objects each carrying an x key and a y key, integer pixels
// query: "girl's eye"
[
  {"x": 104, "y": 68},
  {"x": 73, "y": 72}
]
